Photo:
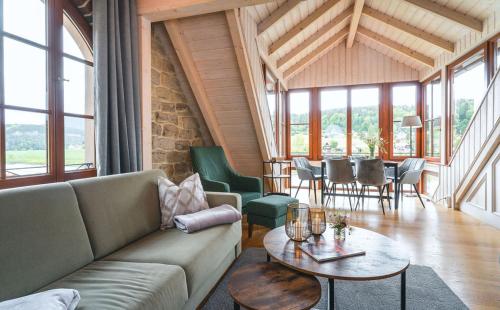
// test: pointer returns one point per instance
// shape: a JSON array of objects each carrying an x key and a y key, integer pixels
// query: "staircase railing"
[{"x": 478, "y": 140}]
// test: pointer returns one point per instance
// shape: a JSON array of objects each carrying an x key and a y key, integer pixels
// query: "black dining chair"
[{"x": 371, "y": 172}]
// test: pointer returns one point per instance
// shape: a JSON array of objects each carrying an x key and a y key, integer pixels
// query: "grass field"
[{"x": 38, "y": 157}]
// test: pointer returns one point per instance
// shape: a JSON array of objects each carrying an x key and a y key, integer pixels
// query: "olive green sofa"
[
  {"x": 217, "y": 175},
  {"x": 101, "y": 236}
]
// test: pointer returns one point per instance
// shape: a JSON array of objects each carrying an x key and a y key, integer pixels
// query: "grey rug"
[{"x": 424, "y": 290}]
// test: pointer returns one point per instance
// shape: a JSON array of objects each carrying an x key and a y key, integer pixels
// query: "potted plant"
[{"x": 373, "y": 142}]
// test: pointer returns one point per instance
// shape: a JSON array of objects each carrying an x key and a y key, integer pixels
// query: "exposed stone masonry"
[{"x": 175, "y": 127}]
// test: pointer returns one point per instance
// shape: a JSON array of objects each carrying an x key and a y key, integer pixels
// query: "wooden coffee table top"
[
  {"x": 272, "y": 286},
  {"x": 384, "y": 257}
]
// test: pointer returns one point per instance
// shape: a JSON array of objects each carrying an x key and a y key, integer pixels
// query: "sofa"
[
  {"x": 101, "y": 237},
  {"x": 217, "y": 175}
]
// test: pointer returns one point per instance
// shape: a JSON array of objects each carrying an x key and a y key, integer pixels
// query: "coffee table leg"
[
  {"x": 331, "y": 294},
  {"x": 236, "y": 306},
  {"x": 268, "y": 258},
  {"x": 403, "y": 290}
]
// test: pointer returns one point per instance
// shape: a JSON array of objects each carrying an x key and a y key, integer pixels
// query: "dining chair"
[
  {"x": 307, "y": 172},
  {"x": 411, "y": 175},
  {"x": 339, "y": 172},
  {"x": 371, "y": 172}
]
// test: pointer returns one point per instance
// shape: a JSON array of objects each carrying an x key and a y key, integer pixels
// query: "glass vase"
[
  {"x": 339, "y": 233},
  {"x": 297, "y": 222}
]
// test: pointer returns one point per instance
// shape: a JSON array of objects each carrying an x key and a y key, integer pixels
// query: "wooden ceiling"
[{"x": 414, "y": 32}]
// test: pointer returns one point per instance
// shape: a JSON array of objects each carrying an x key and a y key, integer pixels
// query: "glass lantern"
[
  {"x": 297, "y": 222},
  {"x": 317, "y": 221}
]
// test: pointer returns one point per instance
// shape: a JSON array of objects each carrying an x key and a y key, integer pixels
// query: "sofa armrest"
[
  {"x": 247, "y": 184},
  {"x": 216, "y": 199},
  {"x": 214, "y": 186}
]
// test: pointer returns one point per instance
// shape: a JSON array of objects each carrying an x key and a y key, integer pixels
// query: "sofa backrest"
[
  {"x": 42, "y": 237},
  {"x": 119, "y": 209}
]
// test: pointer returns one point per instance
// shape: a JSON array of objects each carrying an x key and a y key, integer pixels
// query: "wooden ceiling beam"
[
  {"x": 276, "y": 15},
  {"x": 316, "y": 36},
  {"x": 306, "y": 22},
  {"x": 426, "y": 60},
  {"x": 416, "y": 32},
  {"x": 461, "y": 18},
  {"x": 356, "y": 16},
  {"x": 333, "y": 41},
  {"x": 161, "y": 10}
]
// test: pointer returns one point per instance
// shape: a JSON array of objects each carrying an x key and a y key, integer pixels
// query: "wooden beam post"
[
  {"x": 276, "y": 15},
  {"x": 193, "y": 76},
  {"x": 248, "y": 82},
  {"x": 316, "y": 36},
  {"x": 428, "y": 61},
  {"x": 161, "y": 10},
  {"x": 460, "y": 18},
  {"x": 311, "y": 18},
  {"x": 416, "y": 32},
  {"x": 145, "y": 90},
  {"x": 356, "y": 16},
  {"x": 333, "y": 41}
]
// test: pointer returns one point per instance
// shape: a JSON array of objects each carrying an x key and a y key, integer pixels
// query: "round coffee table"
[
  {"x": 384, "y": 258},
  {"x": 271, "y": 286}
]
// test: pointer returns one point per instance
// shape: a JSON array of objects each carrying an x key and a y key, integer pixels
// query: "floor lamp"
[{"x": 412, "y": 121}]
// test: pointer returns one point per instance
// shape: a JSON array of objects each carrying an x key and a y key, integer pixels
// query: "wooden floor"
[{"x": 463, "y": 251}]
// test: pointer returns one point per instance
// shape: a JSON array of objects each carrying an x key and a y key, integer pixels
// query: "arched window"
[{"x": 46, "y": 93}]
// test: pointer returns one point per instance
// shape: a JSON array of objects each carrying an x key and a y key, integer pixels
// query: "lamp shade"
[{"x": 411, "y": 121}]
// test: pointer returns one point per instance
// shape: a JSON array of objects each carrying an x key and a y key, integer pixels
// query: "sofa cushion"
[
  {"x": 42, "y": 238},
  {"x": 197, "y": 253},
  {"x": 272, "y": 206},
  {"x": 122, "y": 285},
  {"x": 119, "y": 209}
]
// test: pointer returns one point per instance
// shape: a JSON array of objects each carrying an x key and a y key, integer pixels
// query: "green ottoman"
[{"x": 268, "y": 211}]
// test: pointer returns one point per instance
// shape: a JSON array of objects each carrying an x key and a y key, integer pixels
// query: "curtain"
[{"x": 117, "y": 101}]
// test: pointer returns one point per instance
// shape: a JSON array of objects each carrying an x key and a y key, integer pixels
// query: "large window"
[
  {"x": 432, "y": 118},
  {"x": 468, "y": 80},
  {"x": 365, "y": 108},
  {"x": 299, "y": 103},
  {"x": 404, "y": 103},
  {"x": 333, "y": 122},
  {"x": 46, "y": 104}
]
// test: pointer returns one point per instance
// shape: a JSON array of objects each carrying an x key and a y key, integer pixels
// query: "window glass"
[
  {"x": 365, "y": 109},
  {"x": 25, "y": 19},
  {"x": 25, "y": 143},
  {"x": 333, "y": 122},
  {"x": 404, "y": 103},
  {"x": 299, "y": 122},
  {"x": 78, "y": 143},
  {"x": 468, "y": 88},
  {"x": 432, "y": 120},
  {"x": 78, "y": 87}
]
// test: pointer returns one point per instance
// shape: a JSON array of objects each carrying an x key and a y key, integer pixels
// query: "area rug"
[{"x": 424, "y": 290}]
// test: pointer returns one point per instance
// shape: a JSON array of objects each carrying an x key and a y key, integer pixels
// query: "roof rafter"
[
  {"x": 461, "y": 18},
  {"x": 315, "y": 37},
  {"x": 306, "y": 22},
  {"x": 356, "y": 15},
  {"x": 331, "y": 42},
  {"x": 276, "y": 15},
  {"x": 416, "y": 32},
  {"x": 426, "y": 60}
]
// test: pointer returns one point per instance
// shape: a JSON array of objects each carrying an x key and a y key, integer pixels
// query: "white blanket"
[{"x": 58, "y": 299}]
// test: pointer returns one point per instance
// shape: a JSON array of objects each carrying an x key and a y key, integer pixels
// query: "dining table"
[{"x": 387, "y": 164}]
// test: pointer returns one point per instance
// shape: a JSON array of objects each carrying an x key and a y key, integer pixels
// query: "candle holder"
[
  {"x": 297, "y": 222},
  {"x": 317, "y": 221}
]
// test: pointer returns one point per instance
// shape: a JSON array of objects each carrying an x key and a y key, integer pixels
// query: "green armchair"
[{"x": 218, "y": 176}]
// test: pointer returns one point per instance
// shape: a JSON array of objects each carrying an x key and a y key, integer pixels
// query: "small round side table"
[{"x": 263, "y": 286}]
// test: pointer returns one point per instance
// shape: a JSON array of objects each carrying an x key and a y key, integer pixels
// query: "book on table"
[{"x": 323, "y": 251}]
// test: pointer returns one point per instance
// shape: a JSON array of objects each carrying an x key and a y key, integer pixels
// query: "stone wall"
[{"x": 177, "y": 123}]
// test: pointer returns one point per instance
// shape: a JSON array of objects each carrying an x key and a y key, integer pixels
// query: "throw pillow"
[{"x": 188, "y": 197}]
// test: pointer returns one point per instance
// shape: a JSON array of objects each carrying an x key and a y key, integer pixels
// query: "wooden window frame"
[
  {"x": 449, "y": 94},
  {"x": 418, "y": 112},
  {"x": 429, "y": 80},
  {"x": 55, "y": 97},
  {"x": 385, "y": 117}
]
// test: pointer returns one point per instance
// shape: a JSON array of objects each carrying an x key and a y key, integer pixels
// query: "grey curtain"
[{"x": 118, "y": 110}]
